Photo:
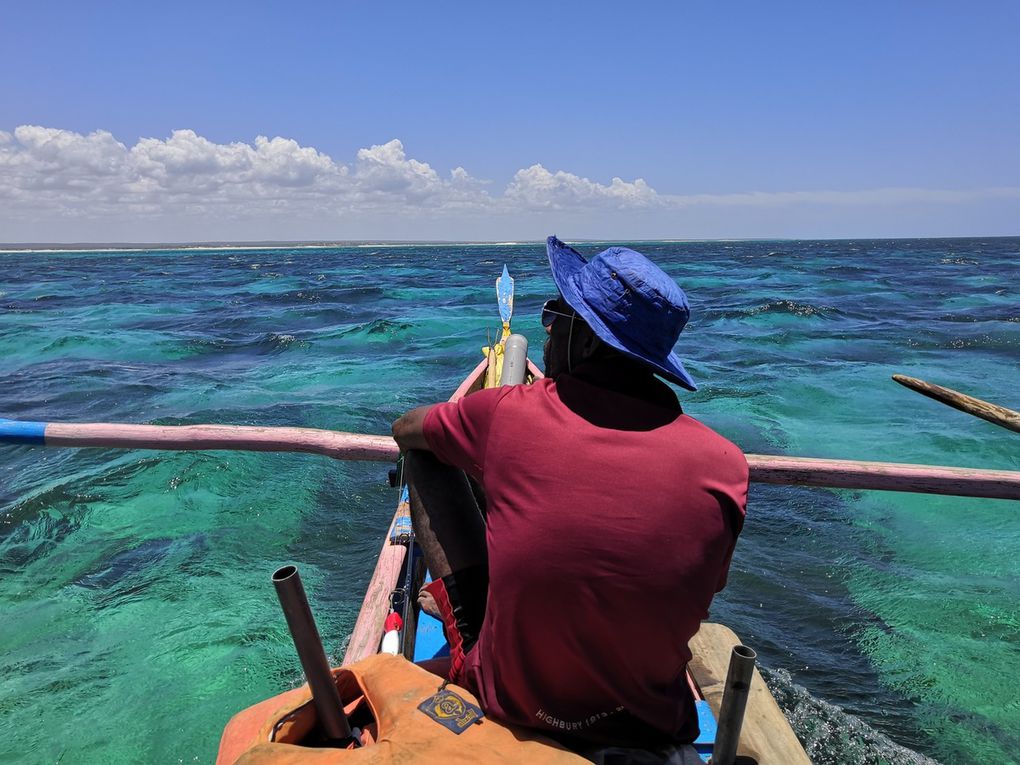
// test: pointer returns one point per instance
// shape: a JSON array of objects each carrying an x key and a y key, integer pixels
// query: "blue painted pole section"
[
  {"x": 18, "y": 432},
  {"x": 505, "y": 295}
]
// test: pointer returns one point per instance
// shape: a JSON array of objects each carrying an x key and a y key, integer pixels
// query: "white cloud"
[
  {"x": 63, "y": 151},
  {"x": 236, "y": 178},
  {"x": 51, "y": 173},
  {"x": 57, "y": 184},
  {"x": 536, "y": 187},
  {"x": 43, "y": 163},
  {"x": 386, "y": 168},
  {"x": 385, "y": 179}
]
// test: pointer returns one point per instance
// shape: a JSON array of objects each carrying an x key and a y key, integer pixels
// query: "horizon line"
[{"x": 271, "y": 244}]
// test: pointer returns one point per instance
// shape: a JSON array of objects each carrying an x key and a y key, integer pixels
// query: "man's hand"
[{"x": 407, "y": 430}]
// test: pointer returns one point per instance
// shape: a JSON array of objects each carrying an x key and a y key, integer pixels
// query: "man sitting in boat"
[{"x": 569, "y": 594}]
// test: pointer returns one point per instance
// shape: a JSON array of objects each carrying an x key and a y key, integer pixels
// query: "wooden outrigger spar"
[
  {"x": 993, "y": 413},
  {"x": 764, "y": 468}
]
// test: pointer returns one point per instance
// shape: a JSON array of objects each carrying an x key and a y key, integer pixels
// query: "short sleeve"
[
  {"x": 458, "y": 431},
  {"x": 734, "y": 509}
]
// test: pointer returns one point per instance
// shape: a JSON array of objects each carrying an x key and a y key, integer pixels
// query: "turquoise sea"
[{"x": 137, "y": 609}]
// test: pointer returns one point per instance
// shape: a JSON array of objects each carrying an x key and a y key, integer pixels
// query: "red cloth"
[
  {"x": 606, "y": 544},
  {"x": 437, "y": 589}
]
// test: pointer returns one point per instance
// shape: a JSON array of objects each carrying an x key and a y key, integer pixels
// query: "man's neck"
[{"x": 630, "y": 378}]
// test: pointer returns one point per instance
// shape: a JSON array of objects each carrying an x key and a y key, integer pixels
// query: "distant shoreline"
[
  {"x": 152, "y": 246},
  {"x": 44, "y": 247}
]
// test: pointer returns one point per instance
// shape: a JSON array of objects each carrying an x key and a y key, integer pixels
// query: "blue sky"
[{"x": 740, "y": 120}]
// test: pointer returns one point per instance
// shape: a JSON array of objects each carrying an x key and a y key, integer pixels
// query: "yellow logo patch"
[{"x": 451, "y": 711}]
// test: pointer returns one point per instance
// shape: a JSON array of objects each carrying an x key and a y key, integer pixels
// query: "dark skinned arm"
[{"x": 407, "y": 430}]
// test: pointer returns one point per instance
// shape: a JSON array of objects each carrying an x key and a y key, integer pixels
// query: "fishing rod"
[{"x": 773, "y": 469}]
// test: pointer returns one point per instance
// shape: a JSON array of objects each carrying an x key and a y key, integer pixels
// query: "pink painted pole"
[
  {"x": 802, "y": 471},
  {"x": 344, "y": 446}
]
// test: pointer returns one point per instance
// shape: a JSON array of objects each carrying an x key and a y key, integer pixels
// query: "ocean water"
[{"x": 137, "y": 609}]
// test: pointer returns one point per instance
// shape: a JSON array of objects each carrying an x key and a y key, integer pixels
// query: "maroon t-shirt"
[{"x": 608, "y": 534}]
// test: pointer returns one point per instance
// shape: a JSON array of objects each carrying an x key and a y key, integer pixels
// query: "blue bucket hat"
[{"x": 628, "y": 301}]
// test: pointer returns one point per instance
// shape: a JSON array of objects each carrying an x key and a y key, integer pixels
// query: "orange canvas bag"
[{"x": 381, "y": 694}]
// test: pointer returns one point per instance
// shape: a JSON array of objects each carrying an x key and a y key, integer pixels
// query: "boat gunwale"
[{"x": 368, "y": 629}]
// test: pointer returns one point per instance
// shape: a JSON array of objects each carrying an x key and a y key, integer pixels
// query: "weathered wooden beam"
[
  {"x": 335, "y": 444},
  {"x": 884, "y": 476},
  {"x": 998, "y": 415},
  {"x": 802, "y": 471}
]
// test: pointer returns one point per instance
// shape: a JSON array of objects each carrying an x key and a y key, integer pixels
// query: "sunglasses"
[{"x": 553, "y": 308}]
